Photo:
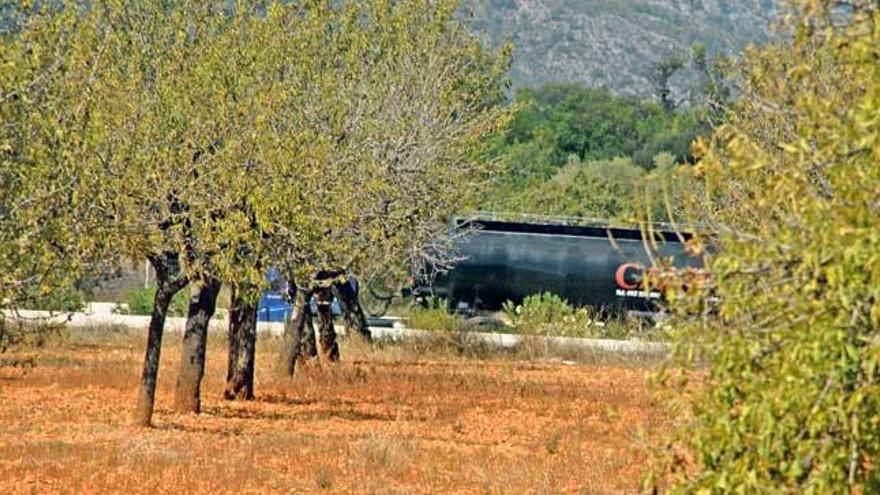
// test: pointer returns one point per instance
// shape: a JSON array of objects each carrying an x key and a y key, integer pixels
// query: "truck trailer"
[{"x": 588, "y": 264}]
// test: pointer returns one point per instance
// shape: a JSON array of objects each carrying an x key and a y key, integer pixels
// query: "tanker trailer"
[{"x": 589, "y": 265}]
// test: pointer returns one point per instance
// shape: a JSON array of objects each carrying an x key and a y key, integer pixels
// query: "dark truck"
[{"x": 593, "y": 265}]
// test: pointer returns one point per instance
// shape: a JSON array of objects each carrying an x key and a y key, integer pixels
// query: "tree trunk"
[
  {"x": 202, "y": 303},
  {"x": 352, "y": 312},
  {"x": 308, "y": 348},
  {"x": 329, "y": 347},
  {"x": 242, "y": 344},
  {"x": 165, "y": 290},
  {"x": 298, "y": 332}
]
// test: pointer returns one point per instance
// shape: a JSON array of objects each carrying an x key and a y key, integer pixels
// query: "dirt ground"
[{"x": 393, "y": 419}]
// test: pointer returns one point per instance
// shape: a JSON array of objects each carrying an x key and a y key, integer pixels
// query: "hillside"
[{"x": 612, "y": 43}]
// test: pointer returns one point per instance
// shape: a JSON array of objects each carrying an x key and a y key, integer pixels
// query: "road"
[{"x": 101, "y": 314}]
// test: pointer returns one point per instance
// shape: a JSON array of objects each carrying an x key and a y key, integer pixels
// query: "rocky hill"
[{"x": 613, "y": 43}]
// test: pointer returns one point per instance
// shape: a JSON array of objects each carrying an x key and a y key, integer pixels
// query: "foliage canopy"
[
  {"x": 317, "y": 134},
  {"x": 788, "y": 324},
  {"x": 42, "y": 160}
]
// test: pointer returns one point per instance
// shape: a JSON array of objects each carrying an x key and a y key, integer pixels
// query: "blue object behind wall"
[{"x": 274, "y": 306}]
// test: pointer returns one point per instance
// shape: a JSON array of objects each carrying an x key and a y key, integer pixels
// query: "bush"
[
  {"x": 601, "y": 189},
  {"x": 540, "y": 310},
  {"x": 785, "y": 335},
  {"x": 140, "y": 302},
  {"x": 547, "y": 314},
  {"x": 435, "y": 317}
]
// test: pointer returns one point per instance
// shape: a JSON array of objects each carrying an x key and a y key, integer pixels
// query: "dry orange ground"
[{"x": 390, "y": 420}]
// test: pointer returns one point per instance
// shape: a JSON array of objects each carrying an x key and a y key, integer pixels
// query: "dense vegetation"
[
  {"x": 567, "y": 121},
  {"x": 579, "y": 151},
  {"x": 786, "y": 330}
]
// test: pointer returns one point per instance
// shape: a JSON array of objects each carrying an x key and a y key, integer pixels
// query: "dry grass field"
[{"x": 407, "y": 418}]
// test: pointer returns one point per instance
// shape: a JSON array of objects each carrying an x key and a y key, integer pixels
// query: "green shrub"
[
  {"x": 435, "y": 317},
  {"x": 543, "y": 314},
  {"x": 547, "y": 314},
  {"x": 540, "y": 309},
  {"x": 140, "y": 302},
  {"x": 785, "y": 334}
]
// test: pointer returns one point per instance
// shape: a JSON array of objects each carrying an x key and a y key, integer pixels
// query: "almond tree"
[
  {"x": 404, "y": 100},
  {"x": 49, "y": 236},
  {"x": 171, "y": 134},
  {"x": 84, "y": 152}
]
